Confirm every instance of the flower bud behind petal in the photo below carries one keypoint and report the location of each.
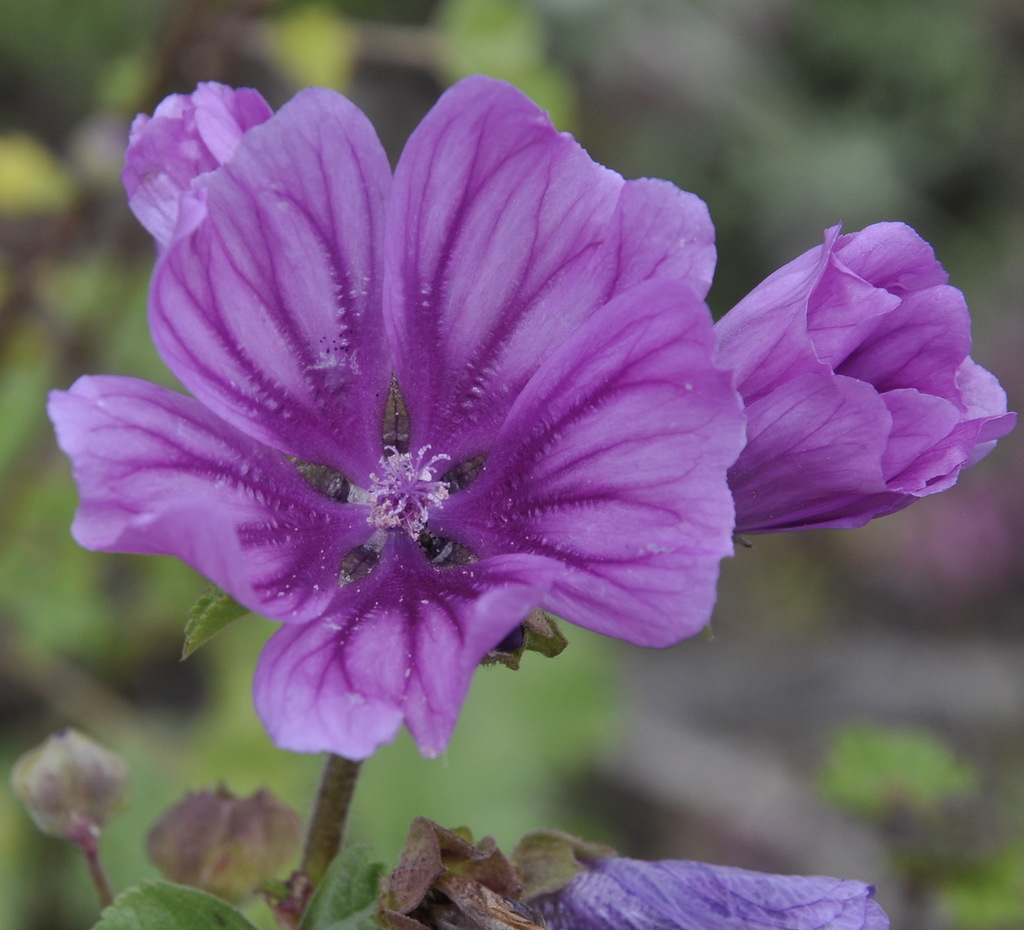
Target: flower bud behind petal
(223, 844)
(860, 395)
(71, 785)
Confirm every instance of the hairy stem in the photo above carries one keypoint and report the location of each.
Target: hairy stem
(327, 824)
(85, 835)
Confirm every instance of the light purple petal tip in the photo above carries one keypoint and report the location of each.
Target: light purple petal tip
(399, 646)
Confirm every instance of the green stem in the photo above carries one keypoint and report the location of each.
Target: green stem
(85, 835)
(327, 824)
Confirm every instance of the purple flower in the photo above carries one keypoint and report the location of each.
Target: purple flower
(423, 405)
(860, 395)
(627, 894)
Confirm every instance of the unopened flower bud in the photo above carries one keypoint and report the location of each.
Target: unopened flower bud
(222, 844)
(71, 785)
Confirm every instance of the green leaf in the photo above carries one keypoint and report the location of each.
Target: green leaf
(214, 610)
(163, 906)
(505, 39)
(313, 46)
(347, 897)
(549, 859)
(989, 896)
(874, 770)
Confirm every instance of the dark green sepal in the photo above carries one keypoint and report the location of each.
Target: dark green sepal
(549, 859)
(541, 634)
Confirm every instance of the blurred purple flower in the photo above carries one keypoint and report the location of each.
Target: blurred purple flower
(627, 894)
(424, 405)
(860, 395)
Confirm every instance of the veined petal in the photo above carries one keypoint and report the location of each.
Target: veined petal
(613, 462)
(919, 467)
(186, 137)
(920, 345)
(921, 424)
(843, 308)
(985, 400)
(269, 310)
(891, 256)
(502, 237)
(627, 894)
(158, 473)
(399, 645)
(813, 454)
(764, 339)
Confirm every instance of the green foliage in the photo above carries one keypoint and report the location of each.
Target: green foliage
(503, 38)
(214, 610)
(874, 771)
(990, 896)
(346, 899)
(59, 47)
(31, 179)
(163, 906)
(313, 46)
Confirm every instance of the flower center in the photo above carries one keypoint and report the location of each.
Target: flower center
(403, 493)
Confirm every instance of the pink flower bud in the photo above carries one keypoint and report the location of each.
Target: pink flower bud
(222, 844)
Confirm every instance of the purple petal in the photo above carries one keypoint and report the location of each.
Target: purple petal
(503, 236)
(399, 645)
(612, 461)
(891, 256)
(813, 456)
(936, 466)
(269, 311)
(920, 425)
(843, 308)
(186, 137)
(626, 894)
(920, 345)
(157, 473)
(764, 338)
(985, 400)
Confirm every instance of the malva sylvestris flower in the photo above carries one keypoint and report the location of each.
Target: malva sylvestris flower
(859, 390)
(628, 894)
(423, 404)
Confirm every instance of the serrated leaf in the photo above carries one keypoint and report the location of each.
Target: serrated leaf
(163, 906)
(346, 899)
(214, 610)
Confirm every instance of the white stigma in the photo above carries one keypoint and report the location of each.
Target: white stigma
(405, 491)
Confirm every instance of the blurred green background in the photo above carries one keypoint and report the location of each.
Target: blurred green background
(860, 707)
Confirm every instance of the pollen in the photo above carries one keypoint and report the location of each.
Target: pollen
(402, 495)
